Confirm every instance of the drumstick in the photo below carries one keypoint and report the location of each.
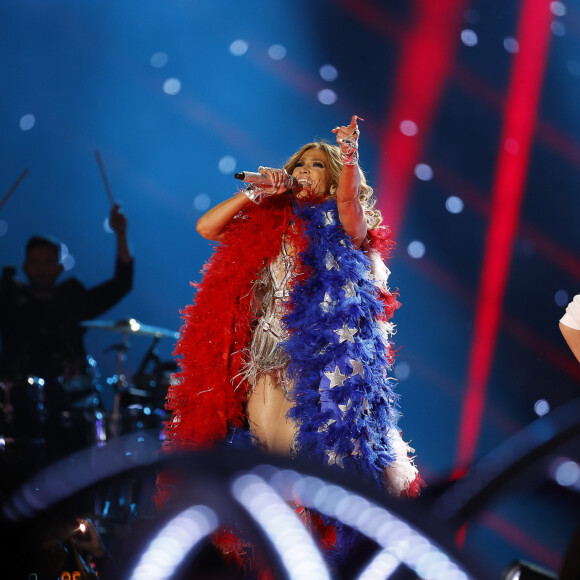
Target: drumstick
(104, 176)
(13, 188)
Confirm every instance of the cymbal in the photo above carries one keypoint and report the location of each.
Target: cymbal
(130, 326)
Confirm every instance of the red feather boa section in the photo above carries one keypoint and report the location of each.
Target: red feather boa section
(217, 326)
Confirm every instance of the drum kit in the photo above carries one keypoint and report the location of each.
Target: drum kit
(139, 403)
(73, 405)
(46, 419)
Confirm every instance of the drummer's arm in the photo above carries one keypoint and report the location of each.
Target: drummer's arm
(118, 223)
(101, 298)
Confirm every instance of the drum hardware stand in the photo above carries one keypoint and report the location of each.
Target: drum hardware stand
(150, 356)
(120, 383)
(119, 504)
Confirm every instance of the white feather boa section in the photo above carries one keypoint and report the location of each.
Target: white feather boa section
(400, 475)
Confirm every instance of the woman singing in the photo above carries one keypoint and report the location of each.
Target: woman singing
(287, 343)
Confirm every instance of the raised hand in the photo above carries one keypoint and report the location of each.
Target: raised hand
(118, 220)
(347, 139)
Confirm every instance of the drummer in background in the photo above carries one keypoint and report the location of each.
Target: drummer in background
(39, 321)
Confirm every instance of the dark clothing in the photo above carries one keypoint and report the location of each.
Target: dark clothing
(43, 337)
(51, 415)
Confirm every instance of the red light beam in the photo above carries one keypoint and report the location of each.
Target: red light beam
(424, 67)
(519, 125)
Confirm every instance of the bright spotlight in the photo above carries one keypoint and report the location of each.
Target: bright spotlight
(541, 407)
(423, 172)
(328, 72)
(172, 86)
(277, 52)
(408, 128)
(27, 122)
(327, 97)
(469, 37)
(227, 164)
(416, 249)
(558, 29)
(239, 47)
(454, 204)
(159, 60)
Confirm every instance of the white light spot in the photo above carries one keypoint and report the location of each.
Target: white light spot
(430, 561)
(3, 228)
(402, 371)
(511, 44)
(174, 542)
(469, 37)
(63, 251)
(567, 473)
(68, 262)
(158, 60)
(541, 407)
(328, 72)
(512, 146)
(562, 298)
(416, 249)
(172, 86)
(408, 127)
(27, 122)
(201, 202)
(239, 47)
(327, 97)
(227, 164)
(558, 8)
(471, 16)
(423, 172)
(454, 204)
(107, 226)
(558, 29)
(277, 52)
(574, 67)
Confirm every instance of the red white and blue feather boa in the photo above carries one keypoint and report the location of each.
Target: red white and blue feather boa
(344, 399)
(340, 359)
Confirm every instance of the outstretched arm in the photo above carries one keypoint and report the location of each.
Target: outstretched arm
(570, 326)
(572, 337)
(212, 224)
(350, 211)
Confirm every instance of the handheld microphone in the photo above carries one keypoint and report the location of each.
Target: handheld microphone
(262, 180)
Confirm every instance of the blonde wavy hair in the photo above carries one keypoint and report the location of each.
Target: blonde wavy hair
(366, 194)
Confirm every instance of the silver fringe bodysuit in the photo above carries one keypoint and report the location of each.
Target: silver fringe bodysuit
(271, 293)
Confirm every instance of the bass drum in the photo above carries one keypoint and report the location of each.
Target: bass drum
(22, 428)
(143, 403)
(80, 385)
(22, 412)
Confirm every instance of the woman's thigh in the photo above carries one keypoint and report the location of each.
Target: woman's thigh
(267, 408)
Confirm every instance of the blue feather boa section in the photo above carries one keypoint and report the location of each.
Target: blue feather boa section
(344, 400)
